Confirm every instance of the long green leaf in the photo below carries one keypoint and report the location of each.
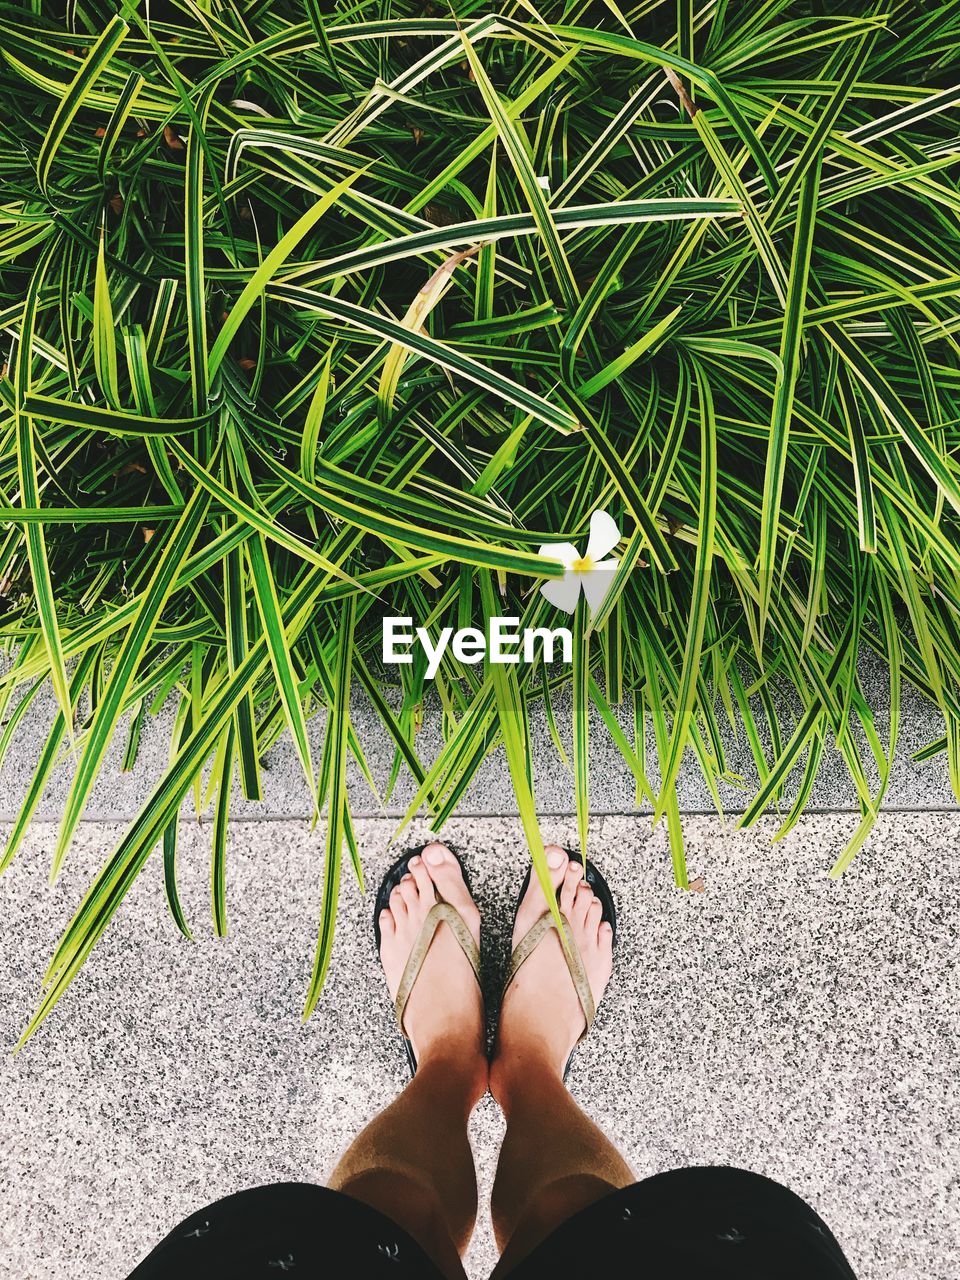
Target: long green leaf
(337, 803)
(790, 344)
(73, 99)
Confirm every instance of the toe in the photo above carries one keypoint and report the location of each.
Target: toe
(534, 901)
(409, 892)
(594, 916)
(421, 877)
(398, 906)
(446, 874)
(581, 903)
(558, 863)
(568, 889)
(387, 924)
(440, 864)
(443, 870)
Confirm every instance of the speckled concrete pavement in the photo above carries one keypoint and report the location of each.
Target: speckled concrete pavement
(779, 1021)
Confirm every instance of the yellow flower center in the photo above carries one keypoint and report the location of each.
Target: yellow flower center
(582, 564)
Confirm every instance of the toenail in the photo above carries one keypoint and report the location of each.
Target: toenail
(433, 855)
(555, 859)
(414, 862)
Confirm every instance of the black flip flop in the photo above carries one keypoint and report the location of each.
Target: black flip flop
(534, 935)
(440, 913)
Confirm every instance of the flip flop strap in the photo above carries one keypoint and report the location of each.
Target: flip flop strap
(440, 913)
(571, 953)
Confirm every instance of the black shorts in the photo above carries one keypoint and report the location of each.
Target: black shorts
(689, 1224)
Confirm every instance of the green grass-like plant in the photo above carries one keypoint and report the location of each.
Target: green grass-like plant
(315, 315)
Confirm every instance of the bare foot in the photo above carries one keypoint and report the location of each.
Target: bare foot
(541, 1018)
(444, 1014)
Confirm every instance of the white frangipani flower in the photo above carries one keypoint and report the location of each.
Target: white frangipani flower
(591, 571)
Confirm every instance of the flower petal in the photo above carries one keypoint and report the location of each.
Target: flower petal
(564, 592)
(604, 535)
(565, 552)
(598, 582)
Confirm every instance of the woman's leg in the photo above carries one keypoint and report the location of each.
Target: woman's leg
(413, 1161)
(554, 1160)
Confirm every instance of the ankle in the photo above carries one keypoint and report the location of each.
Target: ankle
(530, 1071)
(457, 1069)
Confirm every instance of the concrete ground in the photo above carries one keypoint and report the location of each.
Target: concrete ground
(780, 1021)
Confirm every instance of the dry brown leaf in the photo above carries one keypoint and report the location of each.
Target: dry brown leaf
(689, 105)
(172, 138)
(697, 885)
